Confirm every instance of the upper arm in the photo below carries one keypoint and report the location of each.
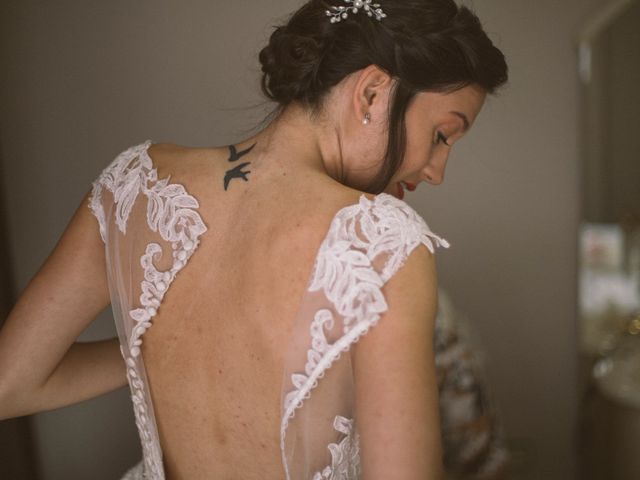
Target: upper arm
(396, 400)
(61, 299)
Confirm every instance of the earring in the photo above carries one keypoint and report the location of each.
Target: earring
(367, 117)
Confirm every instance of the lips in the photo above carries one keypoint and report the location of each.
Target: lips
(401, 185)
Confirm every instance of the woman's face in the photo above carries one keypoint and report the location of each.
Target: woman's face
(435, 122)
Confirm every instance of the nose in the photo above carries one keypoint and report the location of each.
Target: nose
(434, 179)
(433, 172)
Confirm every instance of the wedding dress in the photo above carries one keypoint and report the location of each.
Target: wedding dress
(365, 245)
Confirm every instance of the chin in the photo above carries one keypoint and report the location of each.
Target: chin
(395, 189)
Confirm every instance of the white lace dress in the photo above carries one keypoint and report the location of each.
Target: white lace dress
(365, 246)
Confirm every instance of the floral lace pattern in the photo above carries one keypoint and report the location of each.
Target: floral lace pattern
(123, 178)
(171, 212)
(344, 271)
(345, 456)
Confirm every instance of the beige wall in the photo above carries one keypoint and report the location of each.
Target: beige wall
(613, 144)
(624, 141)
(82, 80)
(16, 449)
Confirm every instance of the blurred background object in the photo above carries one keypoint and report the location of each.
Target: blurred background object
(472, 436)
(609, 240)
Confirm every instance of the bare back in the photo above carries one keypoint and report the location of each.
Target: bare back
(236, 287)
(215, 359)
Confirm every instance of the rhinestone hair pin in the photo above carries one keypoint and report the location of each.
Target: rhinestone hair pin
(368, 6)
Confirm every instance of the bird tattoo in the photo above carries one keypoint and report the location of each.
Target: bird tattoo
(235, 155)
(237, 171)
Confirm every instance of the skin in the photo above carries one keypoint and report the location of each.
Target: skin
(432, 130)
(340, 146)
(42, 367)
(429, 123)
(237, 171)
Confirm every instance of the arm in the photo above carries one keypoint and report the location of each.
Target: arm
(41, 368)
(396, 398)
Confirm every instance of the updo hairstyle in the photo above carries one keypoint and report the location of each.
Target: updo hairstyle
(426, 45)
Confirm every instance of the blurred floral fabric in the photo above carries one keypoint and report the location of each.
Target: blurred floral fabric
(472, 438)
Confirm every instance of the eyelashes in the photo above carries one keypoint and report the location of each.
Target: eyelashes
(442, 138)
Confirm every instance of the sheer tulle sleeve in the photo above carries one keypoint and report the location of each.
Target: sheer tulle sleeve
(366, 245)
(150, 228)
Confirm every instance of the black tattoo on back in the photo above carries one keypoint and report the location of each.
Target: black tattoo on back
(237, 171)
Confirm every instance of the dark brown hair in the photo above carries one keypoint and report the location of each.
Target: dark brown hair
(426, 45)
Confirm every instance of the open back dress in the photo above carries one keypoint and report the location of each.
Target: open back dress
(152, 227)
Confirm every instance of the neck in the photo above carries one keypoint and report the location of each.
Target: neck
(293, 142)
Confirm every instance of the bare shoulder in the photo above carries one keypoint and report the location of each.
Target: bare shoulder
(165, 152)
(184, 161)
(395, 379)
(412, 290)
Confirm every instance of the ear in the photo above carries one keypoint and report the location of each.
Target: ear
(371, 92)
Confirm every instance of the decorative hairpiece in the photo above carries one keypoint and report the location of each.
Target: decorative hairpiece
(342, 12)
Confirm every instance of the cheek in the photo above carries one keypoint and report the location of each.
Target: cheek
(419, 151)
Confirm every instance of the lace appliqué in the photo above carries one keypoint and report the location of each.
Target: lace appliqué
(345, 456)
(344, 271)
(122, 177)
(171, 212)
(151, 455)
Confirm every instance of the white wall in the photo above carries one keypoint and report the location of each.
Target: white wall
(82, 80)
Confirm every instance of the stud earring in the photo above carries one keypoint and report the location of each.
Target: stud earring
(367, 117)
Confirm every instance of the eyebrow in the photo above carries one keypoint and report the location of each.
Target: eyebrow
(464, 119)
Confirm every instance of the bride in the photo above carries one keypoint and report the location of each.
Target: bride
(275, 298)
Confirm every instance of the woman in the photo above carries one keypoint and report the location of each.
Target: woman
(297, 340)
